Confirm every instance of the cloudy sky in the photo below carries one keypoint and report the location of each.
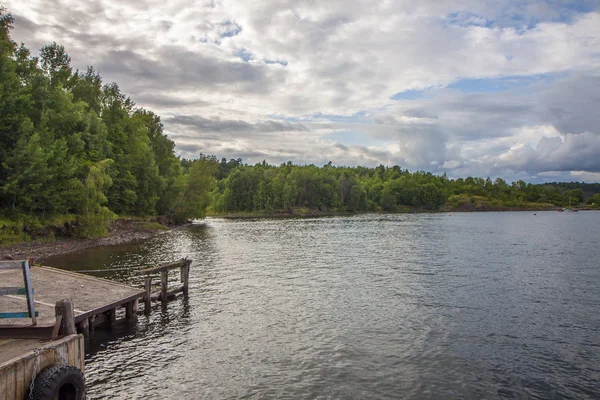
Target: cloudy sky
(507, 88)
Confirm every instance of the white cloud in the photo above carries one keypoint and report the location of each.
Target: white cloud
(249, 61)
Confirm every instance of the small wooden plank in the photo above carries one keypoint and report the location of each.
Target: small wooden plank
(11, 388)
(72, 353)
(164, 267)
(20, 378)
(27, 331)
(5, 291)
(7, 315)
(81, 357)
(13, 264)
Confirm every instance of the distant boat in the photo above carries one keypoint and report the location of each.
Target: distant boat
(569, 209)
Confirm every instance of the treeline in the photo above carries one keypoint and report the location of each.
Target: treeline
(268, 188)
(75, 152)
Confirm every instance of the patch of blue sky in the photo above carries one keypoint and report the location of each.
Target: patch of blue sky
(230, 29)
(466, 19)
(280, 62)
(579, 6)
(501, 84)
(357, 118)
(244, 54)
(525, 18)
(412, 94)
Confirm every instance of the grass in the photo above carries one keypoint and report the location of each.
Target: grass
(151, 226)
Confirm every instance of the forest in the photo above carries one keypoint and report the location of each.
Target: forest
(76, 153)
(267, 188)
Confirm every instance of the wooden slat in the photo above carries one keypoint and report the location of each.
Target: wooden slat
(11, 264)
(11, 384)
(28, 332)
(20, 380)
(81, 354)
(109, 306)
(5, 315)
(165, 267)
(5, 291)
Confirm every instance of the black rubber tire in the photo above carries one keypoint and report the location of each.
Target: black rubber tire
(67, 382)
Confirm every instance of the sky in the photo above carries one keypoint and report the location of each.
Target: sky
(492, 88)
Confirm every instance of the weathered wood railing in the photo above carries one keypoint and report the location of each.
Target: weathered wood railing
(164, 294)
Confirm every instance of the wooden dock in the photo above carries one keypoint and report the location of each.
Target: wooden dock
(95, 300)
(59, 304)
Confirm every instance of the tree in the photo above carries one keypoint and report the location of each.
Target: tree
(94, 217)
(195, 199)
(55, 63)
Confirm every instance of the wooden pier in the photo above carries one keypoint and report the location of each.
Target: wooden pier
(59, 304)
(95, 300)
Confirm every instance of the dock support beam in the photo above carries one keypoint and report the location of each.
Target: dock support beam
(111, 317)
(164, 282)
(64, 309)
(130, 310)
(185, 276)
(148, 299)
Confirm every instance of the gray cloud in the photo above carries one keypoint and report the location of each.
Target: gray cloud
(218, 125)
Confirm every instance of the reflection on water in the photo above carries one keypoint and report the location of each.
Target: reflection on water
(489, 305)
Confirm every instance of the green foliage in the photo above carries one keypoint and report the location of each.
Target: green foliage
(268, 189)
(194, 197)
(94, 217)
(71, 145)
(151, 226)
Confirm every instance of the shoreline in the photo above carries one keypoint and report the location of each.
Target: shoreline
(319, 214)
(120, 233)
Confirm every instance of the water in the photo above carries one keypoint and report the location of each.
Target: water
(473, 305)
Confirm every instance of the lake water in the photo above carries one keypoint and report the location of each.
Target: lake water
(411, 306)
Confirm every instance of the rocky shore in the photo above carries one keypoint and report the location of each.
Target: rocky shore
(120, 232)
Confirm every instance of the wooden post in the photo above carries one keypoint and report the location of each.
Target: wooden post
(112, 317)
(185, 276)
(84, 327)
(164, 281)
(129, 310)
(148, 299)
(92, 324)
(64, 308)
